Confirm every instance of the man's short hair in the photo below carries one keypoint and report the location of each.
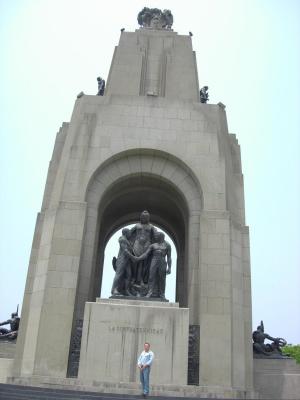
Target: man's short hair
(147, 343)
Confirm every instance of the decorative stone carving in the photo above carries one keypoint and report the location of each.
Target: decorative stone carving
(155, 18)
(193, 358)
(75, 346)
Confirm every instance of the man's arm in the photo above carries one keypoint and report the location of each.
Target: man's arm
(144, 255)
(131, 256)
(5, 322)
(269, 337)
(139, 364)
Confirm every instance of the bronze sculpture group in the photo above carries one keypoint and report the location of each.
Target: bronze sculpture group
(154, 18)
(143, 262)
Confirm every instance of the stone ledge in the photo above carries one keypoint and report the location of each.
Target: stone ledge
(133, 301)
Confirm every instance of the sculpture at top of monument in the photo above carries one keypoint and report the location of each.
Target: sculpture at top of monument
(101, 86)
(204, 94)
(12, 333)
(261, 349)
(155, 18)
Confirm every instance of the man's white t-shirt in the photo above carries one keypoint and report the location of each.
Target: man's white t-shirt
(146, 358)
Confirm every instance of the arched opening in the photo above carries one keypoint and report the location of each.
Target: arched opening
(122, 205)
(119, 190)
(111, 250)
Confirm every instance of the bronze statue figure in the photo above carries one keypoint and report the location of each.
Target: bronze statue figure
(142, 235)
(260, 348)
(158, 266)
(12, 333)
(122, 266)
(204, 94)
(101, 86)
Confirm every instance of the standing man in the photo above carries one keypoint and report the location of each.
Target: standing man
(144, 364)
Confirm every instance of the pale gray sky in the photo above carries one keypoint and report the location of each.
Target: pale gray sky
(247, 53)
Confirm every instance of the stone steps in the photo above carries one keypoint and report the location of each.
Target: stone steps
(16, 392)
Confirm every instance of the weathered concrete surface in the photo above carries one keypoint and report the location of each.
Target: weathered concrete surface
(277, 379)
(6, 365)
(7, 353)
(7, 349)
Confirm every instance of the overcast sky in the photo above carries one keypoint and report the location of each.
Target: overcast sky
(247, 53)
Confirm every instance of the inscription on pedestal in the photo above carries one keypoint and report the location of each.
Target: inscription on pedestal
(135, 329)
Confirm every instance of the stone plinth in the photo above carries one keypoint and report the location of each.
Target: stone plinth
(7, 349)
(114, 332)
(7, 352)
(277, 378)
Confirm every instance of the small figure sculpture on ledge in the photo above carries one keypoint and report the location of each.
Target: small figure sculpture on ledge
(155, 18)
(261, 350)
(12, 333)
(204, 94)
(101, 86)
(140, 266)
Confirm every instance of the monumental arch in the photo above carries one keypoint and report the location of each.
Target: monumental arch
(147, 143)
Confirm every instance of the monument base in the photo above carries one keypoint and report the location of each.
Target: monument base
(122, 388)
(277, 378)
(114, 333)
(7, 353)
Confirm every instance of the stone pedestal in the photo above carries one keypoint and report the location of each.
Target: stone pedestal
(277, 378)
(7, 352)
(114, 332)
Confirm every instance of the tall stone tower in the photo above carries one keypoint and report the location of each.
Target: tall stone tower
(147, 143)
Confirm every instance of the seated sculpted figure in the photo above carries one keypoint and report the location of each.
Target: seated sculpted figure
(158, 266)
(259, 347)
(12, 333)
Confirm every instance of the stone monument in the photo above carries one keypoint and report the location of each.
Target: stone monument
(146, 142)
